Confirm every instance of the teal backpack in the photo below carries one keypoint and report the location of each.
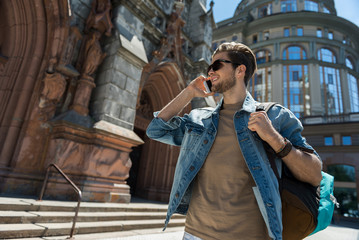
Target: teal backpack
(326, 203)
(301, 198)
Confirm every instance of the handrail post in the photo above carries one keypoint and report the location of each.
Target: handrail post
(79, 194)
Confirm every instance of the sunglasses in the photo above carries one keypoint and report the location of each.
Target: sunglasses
(216, 65)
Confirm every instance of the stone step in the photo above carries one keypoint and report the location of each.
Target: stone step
(14, 217)
(58, 229)
(24, 204)
(171, 233)
(28, 218)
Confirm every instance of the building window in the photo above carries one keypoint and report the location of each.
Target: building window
(319, 32)
(294, 53)
(346, 140)
(330, 35)
(346, 190)
(255, 38)
(265, 10)
(296, 89)
(331, 92)
(286, 32)
(300, 31)
(214, 46)
(353, 93)
(349, 63)
(266, 35)
(326, 55)
(288, 6)
(263, 56)
(311, 6)
(328, 141)
(325, 10)
(260, 85)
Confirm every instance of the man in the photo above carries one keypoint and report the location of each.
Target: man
(223, 180)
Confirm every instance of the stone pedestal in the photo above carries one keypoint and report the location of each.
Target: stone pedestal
(96, 160)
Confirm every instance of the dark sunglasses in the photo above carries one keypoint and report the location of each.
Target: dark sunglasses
(216, 65)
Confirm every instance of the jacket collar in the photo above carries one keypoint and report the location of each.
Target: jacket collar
(249, 104)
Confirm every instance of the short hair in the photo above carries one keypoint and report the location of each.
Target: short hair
(239, 53)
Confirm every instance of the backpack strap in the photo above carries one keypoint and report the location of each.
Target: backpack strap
(266, 106)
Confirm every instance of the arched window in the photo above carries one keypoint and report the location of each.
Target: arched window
(326, 55)
(294, 53)
(331, 92)
(288, 6)
(296, 92)
(349, 63)
(263, 56)
(353, 93)
(325, 10)
(311, 6)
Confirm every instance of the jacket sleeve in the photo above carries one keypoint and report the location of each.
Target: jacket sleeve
(289, 126)
(170, 132)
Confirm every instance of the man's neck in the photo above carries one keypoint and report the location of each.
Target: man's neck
(234, 96)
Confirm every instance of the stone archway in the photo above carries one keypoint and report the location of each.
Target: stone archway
(154, 163)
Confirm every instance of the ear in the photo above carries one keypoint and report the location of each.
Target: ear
(241, 69)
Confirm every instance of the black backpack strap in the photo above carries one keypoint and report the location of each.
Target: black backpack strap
(266, 106)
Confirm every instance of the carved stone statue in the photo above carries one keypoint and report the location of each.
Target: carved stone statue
(93, 55)
(100, 17)
(54, 88)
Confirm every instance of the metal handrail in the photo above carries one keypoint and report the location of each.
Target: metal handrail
(79, 194)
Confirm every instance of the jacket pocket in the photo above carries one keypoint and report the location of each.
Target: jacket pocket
(192, 136)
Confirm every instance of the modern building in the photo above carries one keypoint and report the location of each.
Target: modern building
(79, 80)
(308, 61)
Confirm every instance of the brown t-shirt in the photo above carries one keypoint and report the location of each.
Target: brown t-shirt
(223, 205)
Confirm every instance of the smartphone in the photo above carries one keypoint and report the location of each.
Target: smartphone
(208, 85)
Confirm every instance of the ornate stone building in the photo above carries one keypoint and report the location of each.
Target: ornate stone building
(79, 80)
(308, 60)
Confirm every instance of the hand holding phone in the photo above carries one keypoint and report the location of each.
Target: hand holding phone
(207, 85)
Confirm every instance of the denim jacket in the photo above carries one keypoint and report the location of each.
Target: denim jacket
(195, 133)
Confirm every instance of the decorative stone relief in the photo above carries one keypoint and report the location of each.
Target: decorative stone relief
(54, 88)
(171, 47)
(97, 24)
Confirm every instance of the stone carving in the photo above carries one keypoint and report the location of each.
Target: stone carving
(54, 88)
(97, 24)
(93, 54)
(171, 47)
(100, 17)
(65, 65)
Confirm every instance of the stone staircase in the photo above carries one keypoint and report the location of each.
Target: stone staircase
(29, 218)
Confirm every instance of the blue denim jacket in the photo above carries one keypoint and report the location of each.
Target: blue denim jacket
(195, 133)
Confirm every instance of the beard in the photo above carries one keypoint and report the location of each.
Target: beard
(225, 85)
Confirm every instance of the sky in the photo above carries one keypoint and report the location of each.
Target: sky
(348, 9)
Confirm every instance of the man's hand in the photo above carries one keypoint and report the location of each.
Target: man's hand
(197, 88)
(260, 123)
(304, 166)
(194, 89)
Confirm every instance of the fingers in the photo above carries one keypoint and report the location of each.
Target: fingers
(257, 116)
(198, 87)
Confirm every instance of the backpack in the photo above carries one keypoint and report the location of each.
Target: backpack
(305, 209)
